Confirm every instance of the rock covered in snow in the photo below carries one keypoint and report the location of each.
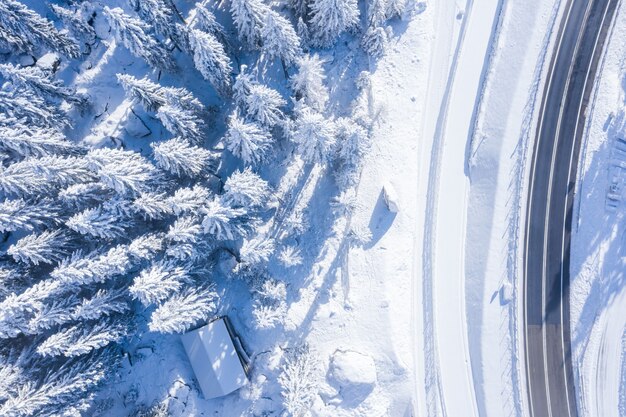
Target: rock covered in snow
(353, 373)
(49, 62)
(391, 198)
(26, 60)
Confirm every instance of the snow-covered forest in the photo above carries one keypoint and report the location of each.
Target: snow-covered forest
(153, 154)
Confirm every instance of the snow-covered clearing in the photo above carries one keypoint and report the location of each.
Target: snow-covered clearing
(598, 293)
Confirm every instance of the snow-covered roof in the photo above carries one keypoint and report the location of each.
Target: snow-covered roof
(214, 359)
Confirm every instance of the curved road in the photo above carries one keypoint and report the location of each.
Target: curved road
(579, 45)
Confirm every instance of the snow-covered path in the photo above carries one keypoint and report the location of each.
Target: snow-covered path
(451, 192)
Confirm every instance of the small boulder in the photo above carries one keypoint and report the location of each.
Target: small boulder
(391, 198)
(354, 374)
(49, 62)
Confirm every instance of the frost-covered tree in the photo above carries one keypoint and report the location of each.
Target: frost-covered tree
(94, 267)
(99, 222)
(395, 8)
(177, 156)
(183, 310)
(79, 196)
(152, 95)
(23, 29)
(248, 17)
(25, 141)
(20, 214)
(279, 38)
(135, 36)
(103, 303)
(160, 14)
(211, 60)
(27, 106)
(53, 313)
(181, 122)
(185, 229)
(76, 21)
(246, 189)
(207, 21)
(159, 281)
(308, 82)
(329, 18)
(268, 316)
(314, 136)
(247, 140)
(47, 247)
(126, 172)
(241, 86)
(256, 250)
(290, 256)
(376, 12)
(152, 206)
(263, 104)
(375, 41)
(299, 381)
(300, 8)
(145, 247)
(41, 83)
(81, 338)
(225, 222)
(189, 200)
(353, 144)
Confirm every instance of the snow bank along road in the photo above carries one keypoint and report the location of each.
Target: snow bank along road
(551, 194)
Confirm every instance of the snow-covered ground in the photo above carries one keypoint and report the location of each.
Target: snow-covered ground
(598, 290)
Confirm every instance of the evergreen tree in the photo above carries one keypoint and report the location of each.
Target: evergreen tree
(329, 18)
(279, 38)
(27, 106)
(211, 60)
(181, 122)
(98, 222)
(183, 310)
(247, 140)
(152, 95)
(314, 136)
(290, 256)
(79, 196)
(103, 303)
(241, 87)
(76, 22)
(300, 8)
(53, 313)
(24, 30)
(376, 13)
(246, 189)
(248, 17)
(185, 229)
(39, 82)
(308, 82)
(188, 200)
(81, 338)
(25, 141)
(353, 144)
(375, 41)
(135, 36)
(225, 222)
(179, 157)
(145, 247)
(395, 8)
(263, 104)
(160, 14)
(159, 281)
(126, 172)
(152, 206)
(47, 247)
(299, 381)
(207, 21)
(20, 214)
(255, 251)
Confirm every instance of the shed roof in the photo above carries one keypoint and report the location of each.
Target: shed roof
(214, 359)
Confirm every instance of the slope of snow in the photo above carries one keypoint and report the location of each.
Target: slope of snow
(598, 290)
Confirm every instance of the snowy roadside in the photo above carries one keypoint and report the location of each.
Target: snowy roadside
(598, 293)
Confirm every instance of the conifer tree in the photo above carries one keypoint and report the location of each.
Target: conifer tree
(27, 106)
(126, 172)
(183, 310)
(211, 60)
(160, 14)
(179, 157)
(103, 303)
(76, 22)
(246, 189)
(98, 222)
(329, 18)
(135, 36)
(314, 136)
(52, 313)
(247, 140)
(188, 200)
(25, 141)
(159, 281)
(23, 29)
(20, 214)
(308, 82)
(248, 17)
(43, 84)
(152, 206)
(375, 41)
(279, 38)
(208, 22)
(181, 122)
(82, 338)
(224, 222)
(185, 229)
(263, 104)
(47, 247)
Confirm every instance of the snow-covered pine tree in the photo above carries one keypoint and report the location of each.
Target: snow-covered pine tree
(69, 387)
(20, 214)
(268, 316)
(177, 156)
(126, 172)
(99, 222)
(152, 206)
(298, 380)
(263, 104)
(48, 247)
(279, 38)
(375, 41)
(395, 8)
(308, 82)
(79, 196)
(376, 12)
(256, 251)
(247, 140)
(329, 18)
(135, 36)
(145, 247)
(246, 189)
(211, 60)
(23, 29)
(52, 313)
(76, 21)
(160, 14)
(181, 122)
(185, 229)
(27, 106)
(103, 303)
(314, 136)
(248, 17)
(39, 82)
(189, 199)
(159, 281)
(207, 21)
(183, 310)
(152, 95)
(24, 141)
(290, 256)
(81, 338)
(300, 8)
(353, 144)
(225, 222)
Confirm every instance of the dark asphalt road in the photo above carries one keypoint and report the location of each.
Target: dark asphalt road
(554, 164)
